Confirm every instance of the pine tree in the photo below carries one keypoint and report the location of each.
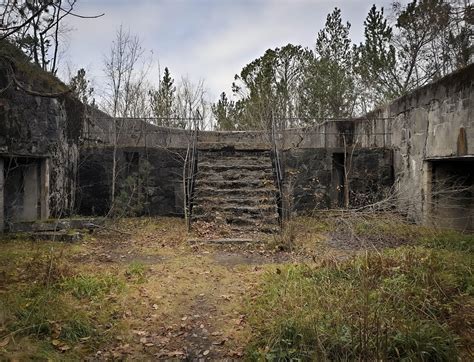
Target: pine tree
(81, 88)
(224, 112)
(163, 100)
(377, 61)
(328, 89)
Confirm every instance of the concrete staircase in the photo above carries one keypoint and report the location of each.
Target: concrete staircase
(235, 191)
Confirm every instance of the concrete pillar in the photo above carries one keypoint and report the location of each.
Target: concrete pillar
(2, 198)
(427, 184)
(44, 189)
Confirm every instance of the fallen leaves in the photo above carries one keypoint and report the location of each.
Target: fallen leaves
(59, 345)
(5, 342)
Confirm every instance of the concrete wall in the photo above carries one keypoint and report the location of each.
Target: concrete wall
(403, 140)
(151, 177)
(42, 127)
(313, 178)
(435, 122)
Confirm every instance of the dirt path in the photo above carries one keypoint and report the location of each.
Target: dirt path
(190, 303)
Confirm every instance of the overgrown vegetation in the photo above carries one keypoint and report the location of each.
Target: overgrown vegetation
(412, 303)
(132, 196)
(120, 295)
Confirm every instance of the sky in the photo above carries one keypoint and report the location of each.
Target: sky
(210, 40)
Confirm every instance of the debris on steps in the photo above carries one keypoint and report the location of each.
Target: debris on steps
(234, 195)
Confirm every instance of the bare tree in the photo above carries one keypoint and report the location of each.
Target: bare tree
(125, 86)
(191, 103)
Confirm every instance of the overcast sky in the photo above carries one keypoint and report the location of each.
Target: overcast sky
(203, 39)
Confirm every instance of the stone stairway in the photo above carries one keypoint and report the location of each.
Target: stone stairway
(235, 192)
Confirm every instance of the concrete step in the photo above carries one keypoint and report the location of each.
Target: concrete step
(220, 154)
(246, 192)
(231, 172)
(233, 176)
(243, 222)
(233, 163)
(266, 179)
(229, 209)
(236, 189)
(235, 184)
(237, 200)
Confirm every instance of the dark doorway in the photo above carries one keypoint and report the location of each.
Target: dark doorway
(337, 177)
(22, 189)
(452, 193)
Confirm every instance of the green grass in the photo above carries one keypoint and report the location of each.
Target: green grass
(401, 303)
(136, 272)
(45, 312)
(92, 286)
(450, 240)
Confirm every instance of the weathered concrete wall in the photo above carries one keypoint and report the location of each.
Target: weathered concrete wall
(434, 122)
(366, 132)
(155, 172)
(101, 129)
(68, 142)
(307, 156)
(314, 181)
(40, 128)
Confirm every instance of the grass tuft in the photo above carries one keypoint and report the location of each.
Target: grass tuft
(136, 272)
(92, 286)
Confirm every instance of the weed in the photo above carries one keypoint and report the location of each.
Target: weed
(286, 239)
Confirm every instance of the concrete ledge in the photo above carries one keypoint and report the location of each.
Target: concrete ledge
(54, 225)
(234, 146)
